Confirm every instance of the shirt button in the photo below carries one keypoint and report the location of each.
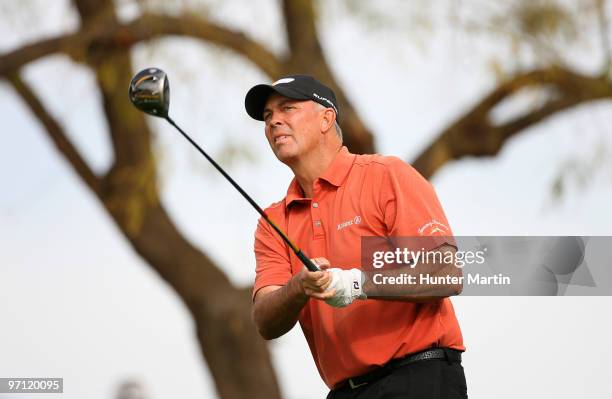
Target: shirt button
(317, 223)
(315, 204)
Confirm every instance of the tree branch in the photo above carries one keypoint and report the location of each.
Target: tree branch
(15, 59)
(149, 26)
(56, 133)
(604, 31)
(143, 28)
(300, 25)
(475, 134)
(307, 56)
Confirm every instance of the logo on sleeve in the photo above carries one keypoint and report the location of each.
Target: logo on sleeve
(433, 228)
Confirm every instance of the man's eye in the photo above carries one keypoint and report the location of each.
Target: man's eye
(288, 107)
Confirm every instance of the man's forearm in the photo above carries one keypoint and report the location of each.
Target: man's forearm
(277, 312)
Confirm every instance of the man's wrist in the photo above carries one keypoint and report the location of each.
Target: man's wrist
(296, 289)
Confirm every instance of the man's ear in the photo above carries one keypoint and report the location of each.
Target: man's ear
(329, 117)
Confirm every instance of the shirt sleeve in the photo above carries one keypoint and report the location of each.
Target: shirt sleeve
(273, 266)
(411, 207)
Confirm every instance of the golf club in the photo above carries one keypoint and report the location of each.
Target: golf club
(150, 92)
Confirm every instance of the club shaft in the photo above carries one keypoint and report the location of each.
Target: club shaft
(298, 252)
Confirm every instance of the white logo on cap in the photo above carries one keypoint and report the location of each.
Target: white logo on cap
(326, 100)
(283, 80)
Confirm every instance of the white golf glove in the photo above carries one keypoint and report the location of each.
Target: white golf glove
(348, 285)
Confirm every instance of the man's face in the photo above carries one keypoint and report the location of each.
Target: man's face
(292, 127)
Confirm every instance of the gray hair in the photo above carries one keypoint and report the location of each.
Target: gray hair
(338, 130)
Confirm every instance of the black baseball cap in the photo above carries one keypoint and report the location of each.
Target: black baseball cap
(297, 87)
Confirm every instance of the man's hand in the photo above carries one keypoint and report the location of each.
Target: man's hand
(316, 284)
(276, 308)
(347, 286)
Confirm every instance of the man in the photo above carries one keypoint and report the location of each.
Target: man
(368, 340)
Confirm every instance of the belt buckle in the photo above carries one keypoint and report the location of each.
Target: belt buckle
(354, 386)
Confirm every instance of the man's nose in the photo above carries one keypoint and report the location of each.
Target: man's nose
(272, 124)
(275, 119)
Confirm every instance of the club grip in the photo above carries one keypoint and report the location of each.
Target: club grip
(307, 262)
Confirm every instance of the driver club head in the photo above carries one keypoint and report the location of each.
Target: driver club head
(150, 92)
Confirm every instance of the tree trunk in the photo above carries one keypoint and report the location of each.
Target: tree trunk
(236, 355)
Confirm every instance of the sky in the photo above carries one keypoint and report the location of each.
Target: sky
(78, 303)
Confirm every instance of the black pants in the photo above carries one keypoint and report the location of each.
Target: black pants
(427, 379)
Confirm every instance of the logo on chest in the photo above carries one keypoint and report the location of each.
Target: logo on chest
(355, 220)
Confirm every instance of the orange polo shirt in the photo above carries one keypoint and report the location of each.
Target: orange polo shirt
(358, 195)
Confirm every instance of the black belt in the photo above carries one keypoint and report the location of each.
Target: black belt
(451, 355)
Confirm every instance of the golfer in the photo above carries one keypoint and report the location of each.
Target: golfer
(367, 340)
